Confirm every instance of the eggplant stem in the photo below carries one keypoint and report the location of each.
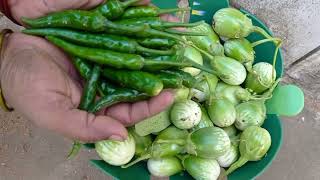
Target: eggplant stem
(275, 57)
(201, 50)
(141, 158)
(276, 40)
(75, 149)
(210, 90)
(203, 68)
(241, 161)
(262, 32)
(271, 89)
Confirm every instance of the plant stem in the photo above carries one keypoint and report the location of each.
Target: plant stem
(143, 157)
(166, 11)
(276, 40)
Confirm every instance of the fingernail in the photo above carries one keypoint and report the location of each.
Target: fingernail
(116, 138)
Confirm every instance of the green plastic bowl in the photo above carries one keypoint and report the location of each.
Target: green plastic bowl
(204, 10)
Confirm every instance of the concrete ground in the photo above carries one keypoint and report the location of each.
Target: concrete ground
(27, 152)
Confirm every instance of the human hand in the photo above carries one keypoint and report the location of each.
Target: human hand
(39, 81)
(35, 9)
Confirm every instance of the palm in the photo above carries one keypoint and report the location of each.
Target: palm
(40, 82)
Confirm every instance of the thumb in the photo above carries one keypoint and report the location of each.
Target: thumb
(81, 125)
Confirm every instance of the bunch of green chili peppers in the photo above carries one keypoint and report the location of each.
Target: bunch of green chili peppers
(127, 53)
(128, 44)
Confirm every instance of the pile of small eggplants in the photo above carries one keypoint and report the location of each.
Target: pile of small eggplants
(126, 53)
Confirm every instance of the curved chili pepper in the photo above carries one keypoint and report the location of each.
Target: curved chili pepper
(145, 31)
(138, 80)
(119, 60)
(87, 98)
(156, 22)
(148, 11)
(94, 22)
(114, 8)
(84, 69)
(79, 19)
(157, 42)
(107, 41)
(90, 89)
(187, 80)
(170, 80)
(155, 68)
(121, 95)
(100, 56)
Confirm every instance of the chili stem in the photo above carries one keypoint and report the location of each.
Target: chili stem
(131, 29)
(187, 33)
(154, 32)
(154, 51)
(188, 63)
(165, 11)
(166, 24)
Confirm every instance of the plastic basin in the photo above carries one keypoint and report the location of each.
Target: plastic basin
(204, 10)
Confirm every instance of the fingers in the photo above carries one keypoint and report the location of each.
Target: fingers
(86, 127)
(130, 114)
(91, 4)
(168, 17)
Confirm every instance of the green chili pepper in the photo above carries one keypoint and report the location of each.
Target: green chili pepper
(145, 31)
(100, 56)
(170, 80)
(148, 11)
(157, 42)
(118, 60)
(87, 98)
(81, 20)
(121, 95)
(112, 42)
(156, 22)
(155, 68)
(94, 22)
(138, 80)
(90, 89)
(85, 69)
(113, 9)
(187, 80)
(177, 61)
(107, 88)
(82, 67)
